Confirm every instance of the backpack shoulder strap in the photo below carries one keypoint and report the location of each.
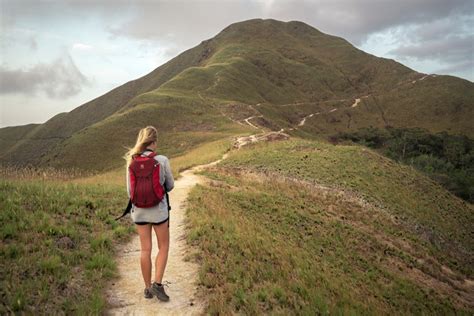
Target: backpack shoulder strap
(150, 155)
(126, 210)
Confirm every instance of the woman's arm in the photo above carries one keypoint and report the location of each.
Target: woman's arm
(127, 176)
(169, 180)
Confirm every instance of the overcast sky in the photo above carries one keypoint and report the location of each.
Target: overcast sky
(57, 55)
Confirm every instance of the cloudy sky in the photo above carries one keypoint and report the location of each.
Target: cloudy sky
(57, 55)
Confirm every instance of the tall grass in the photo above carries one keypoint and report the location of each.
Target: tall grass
(401, 190)
(58, 245)
(43, 173)
(311, 228)
(273, 246)
(204, 154)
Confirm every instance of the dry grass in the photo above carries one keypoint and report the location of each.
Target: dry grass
(57, 244)
(38, 173)
(293, 247)
(201, 155)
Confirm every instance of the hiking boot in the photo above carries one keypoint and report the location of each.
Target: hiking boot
(159, 291)
(148, 293)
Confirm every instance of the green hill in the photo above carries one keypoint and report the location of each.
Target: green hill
(41, 140)
(282, 71)
(312, 228)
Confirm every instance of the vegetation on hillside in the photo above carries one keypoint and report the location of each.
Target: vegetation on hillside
(308, 226)
(57, 244)
(180, 129)
(201, 155)
(448, 159)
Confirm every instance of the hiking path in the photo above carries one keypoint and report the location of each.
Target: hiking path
(125, 295)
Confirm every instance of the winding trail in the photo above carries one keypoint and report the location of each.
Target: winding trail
(304, 119)
(247, 120)
(125, 296)
(420, 79)
(355, 103)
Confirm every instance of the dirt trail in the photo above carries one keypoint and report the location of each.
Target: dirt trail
(125, 295)
(247, 120)
(420, 79)
(301, 123)
(356, 102)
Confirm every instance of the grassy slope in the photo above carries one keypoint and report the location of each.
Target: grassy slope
(43, 138)
(38, 275)
(381, 241)
(10, 136)
(200, 155)
(180, 128)
(440, 103)
(402, 190)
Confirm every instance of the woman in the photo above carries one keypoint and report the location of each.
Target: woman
(156, 216)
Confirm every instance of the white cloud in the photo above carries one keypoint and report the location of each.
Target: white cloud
(82, 47)
(58, 79)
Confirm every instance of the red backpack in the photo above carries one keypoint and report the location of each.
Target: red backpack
(145, 187)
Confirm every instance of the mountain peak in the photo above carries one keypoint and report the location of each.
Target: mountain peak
(279, 72)
(266, 26)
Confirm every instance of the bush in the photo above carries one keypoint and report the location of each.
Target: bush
(448, 159)
(431, 164)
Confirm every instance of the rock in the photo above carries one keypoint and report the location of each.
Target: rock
(65, 243)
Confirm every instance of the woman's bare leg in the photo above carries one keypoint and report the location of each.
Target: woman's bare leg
(144, 231)
(163, 236)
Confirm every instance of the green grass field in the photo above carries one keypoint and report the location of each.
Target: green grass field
(308, 227)
(58, 245)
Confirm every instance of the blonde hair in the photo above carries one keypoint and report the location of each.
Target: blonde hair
(145, 138)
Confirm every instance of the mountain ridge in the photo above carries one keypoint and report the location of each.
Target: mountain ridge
(261, 65)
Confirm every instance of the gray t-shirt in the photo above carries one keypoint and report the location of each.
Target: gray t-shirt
(158, 213)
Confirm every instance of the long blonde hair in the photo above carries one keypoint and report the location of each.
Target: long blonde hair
(145, 138)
